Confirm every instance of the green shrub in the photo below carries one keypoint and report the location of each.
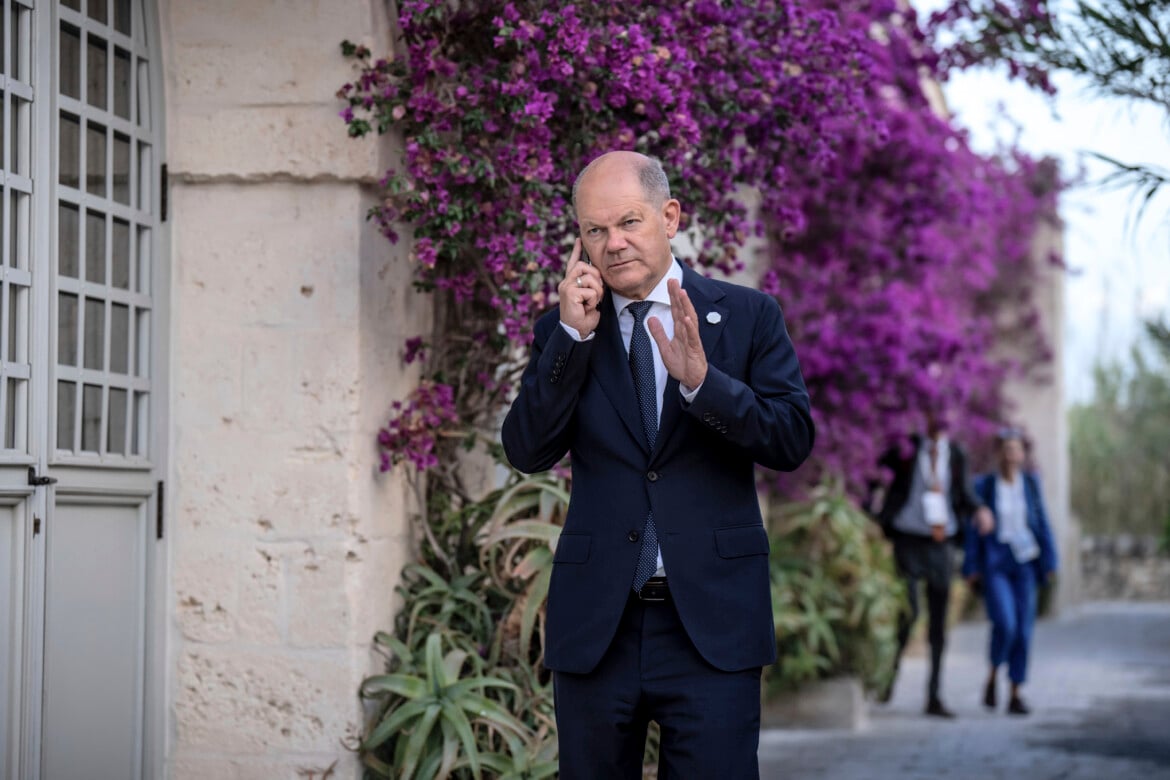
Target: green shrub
(464, 691)
(432, 709)
(835, 594)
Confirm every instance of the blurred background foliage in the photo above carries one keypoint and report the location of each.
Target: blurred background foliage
(835, 595)
(1124, 431)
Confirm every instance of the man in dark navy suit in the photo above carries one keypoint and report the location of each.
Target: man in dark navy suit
(666, 388)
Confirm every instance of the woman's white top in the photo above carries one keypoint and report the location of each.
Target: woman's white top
(1011, 511)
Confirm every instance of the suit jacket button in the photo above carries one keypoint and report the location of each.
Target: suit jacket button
(652, 476)
(633, 536)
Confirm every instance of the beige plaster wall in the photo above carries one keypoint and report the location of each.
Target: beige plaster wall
(288, 312)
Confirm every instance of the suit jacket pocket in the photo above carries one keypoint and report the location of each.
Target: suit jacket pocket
(741, 540)
(572, 548)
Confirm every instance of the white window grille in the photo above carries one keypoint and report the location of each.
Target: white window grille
(105, 218)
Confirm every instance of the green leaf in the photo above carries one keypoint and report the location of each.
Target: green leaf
(404, 685)
(514, 505)
(537, 530)
(395, 645)
(454, 715)
(452, 664)
(418, 738)
(458, 690)
(430, 765)
(538, 559)
(489, 712)
(427, 573)
(553, 501)
(536, 597)
(450, 754)
(498, 763)
(436, 677)
(378, 766)
(394, 722)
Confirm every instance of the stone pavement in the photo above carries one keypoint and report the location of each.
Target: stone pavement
(1099, 691)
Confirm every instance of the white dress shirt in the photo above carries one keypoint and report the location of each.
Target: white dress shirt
(941, 469)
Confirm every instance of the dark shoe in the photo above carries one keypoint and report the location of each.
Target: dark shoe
(989, 695)
(936, 709)
(1017, 707)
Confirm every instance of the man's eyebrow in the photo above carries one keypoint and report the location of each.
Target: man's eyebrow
(631, 214)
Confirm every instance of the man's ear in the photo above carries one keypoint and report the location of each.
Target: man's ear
(671, 212)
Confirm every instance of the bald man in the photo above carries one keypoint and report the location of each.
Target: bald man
(666, 388)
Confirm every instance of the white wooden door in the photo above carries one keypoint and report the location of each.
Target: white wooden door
(80, 337)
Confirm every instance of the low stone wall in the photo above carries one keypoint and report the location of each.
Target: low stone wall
(1124, 567)
(838, 703)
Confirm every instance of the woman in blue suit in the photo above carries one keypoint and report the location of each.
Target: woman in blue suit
(1011, 561)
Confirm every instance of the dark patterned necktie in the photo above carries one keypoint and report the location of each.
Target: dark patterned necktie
(642, 367)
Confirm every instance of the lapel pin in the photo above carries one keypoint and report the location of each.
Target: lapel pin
(714, 317)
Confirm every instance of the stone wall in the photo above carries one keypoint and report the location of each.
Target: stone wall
(1131, 568)
(287, 315)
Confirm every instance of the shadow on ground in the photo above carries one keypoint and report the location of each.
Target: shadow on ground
(1129, 728)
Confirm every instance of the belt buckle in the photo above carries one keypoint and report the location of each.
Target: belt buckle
(655, 590)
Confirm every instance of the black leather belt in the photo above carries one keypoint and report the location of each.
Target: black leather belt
(655, 589)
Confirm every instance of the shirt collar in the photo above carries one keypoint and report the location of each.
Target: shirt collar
(660, 293)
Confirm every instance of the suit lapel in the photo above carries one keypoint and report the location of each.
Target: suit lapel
(705, 296)
(611, 368)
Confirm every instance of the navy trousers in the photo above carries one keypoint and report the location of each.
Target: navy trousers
(1011, 605)
(709, 719)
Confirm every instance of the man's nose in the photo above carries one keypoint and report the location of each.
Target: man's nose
(615, 242)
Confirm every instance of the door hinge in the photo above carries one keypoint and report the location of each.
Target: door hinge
(163, 192)
(36, 525)
(158, 512)
(36, 481)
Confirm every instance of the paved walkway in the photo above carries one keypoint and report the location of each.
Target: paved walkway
(1099, 690)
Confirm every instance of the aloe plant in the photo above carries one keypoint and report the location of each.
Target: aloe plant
(524, 761)
(486, 613)
(517, 545)
(432, 715)
(458, 604)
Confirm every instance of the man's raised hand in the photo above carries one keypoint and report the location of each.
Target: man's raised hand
(580, 292)
(683, 355)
